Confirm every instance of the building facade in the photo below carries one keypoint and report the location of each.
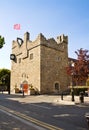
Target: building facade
(40, 63)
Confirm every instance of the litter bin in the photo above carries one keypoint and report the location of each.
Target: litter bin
(81, 97)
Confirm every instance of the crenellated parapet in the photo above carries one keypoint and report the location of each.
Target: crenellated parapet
(62, 38)
(21, 45)
(14, 44)
(57, 44)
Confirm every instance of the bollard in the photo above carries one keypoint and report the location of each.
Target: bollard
(62, 96)
(81, 97)
(2, 91)
(23, 93)
(72, 94)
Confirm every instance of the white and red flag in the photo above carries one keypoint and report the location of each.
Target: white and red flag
(17, 26)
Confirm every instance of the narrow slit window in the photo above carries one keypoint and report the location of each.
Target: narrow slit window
(31, 56)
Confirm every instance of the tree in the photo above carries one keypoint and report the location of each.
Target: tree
(5, 78)
(80, 70)
(2, 41)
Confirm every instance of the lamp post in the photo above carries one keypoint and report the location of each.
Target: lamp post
(72, 90)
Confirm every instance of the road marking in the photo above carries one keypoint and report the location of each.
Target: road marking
(34, 121)
(23, 120)
(40, 106)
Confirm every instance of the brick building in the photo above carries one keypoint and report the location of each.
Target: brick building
(40, 63)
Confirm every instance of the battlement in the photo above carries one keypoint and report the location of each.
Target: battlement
(26, 37)
(40, 40)
(52, 43)
(62, 38)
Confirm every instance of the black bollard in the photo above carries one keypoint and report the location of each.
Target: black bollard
(23, 93)
(2, 91)
(72, 94)
(62, 96)
(81, 97)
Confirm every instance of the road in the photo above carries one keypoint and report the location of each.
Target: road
(40, 113)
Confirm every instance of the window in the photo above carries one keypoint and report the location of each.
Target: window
(58, 59)
(56, 86)
(31, 56)
(19, 60)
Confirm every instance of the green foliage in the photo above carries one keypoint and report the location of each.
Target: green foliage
(3, 72)
(5, 77)
(2, 41)
(78, 90)
(31, 87)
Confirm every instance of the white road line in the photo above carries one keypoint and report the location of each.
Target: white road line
(40, 106)
(24, 121)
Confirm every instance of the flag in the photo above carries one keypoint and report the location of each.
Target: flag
(17, 26)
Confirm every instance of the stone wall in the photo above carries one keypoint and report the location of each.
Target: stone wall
(54, 59)
(41, 63)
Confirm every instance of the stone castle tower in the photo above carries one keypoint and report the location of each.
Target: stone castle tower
(41, 63)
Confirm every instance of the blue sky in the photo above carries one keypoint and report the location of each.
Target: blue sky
(50, 17)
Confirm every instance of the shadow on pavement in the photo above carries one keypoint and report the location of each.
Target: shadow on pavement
(66, 117)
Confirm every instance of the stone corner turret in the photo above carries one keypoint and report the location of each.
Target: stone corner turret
(62, 38)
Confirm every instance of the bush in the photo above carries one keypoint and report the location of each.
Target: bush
(16, 90)
(78, 90)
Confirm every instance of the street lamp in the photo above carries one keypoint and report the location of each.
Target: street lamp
(72, 90)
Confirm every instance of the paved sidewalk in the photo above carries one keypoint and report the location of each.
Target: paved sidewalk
(67, 100)
(56, 99)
